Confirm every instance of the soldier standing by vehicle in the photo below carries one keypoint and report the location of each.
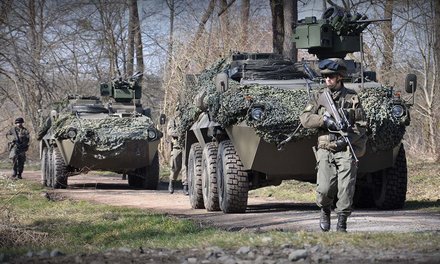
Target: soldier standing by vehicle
(339, 143)
(176, 157)
(18, 144)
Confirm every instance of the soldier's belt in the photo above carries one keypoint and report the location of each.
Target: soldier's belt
(327, 141)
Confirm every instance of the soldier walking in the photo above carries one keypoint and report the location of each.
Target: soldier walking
(336, 159)
(18, 144)
(176, 163)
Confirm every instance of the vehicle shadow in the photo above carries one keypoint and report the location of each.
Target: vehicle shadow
(416, 205)
(271, 207)
(121, 185)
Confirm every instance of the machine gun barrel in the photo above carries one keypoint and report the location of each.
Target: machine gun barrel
(369, 21)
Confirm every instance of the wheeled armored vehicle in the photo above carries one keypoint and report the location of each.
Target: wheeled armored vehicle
(241, 128)
(85, 134)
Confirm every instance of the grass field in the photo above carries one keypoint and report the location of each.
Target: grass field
(31, 221)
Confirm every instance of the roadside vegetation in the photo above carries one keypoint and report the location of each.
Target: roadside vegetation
(32, 219)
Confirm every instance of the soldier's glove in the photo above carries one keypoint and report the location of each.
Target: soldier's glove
(338, 145)
(330, 122)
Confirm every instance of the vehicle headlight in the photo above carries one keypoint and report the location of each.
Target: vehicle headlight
(257, 113)
(397, 111)
(71, 133)
(152, 134)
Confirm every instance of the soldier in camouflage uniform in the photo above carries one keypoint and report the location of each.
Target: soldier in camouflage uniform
(176, 158)
(337, 168)
(18, 144)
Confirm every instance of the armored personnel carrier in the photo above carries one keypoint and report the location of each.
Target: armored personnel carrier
(84, 134)
(241, 131)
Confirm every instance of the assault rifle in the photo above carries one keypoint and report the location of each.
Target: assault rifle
(342, 122)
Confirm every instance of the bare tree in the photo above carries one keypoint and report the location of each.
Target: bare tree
(131, 33)
(245, 8)
(388, 42)
(138, 39)
(290, 14)
(284, 16)
(276, 7)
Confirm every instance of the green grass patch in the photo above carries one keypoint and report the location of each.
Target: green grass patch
(288, 190)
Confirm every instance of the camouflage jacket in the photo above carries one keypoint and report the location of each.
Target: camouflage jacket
(347, 99)
(18, 137)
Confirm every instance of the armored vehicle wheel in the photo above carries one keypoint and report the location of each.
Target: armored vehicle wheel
(147, 177)
(385, 189)
(390, 185)
(209, 177)
(232, 178)
(59, 175)
(45, 173)
(195, 176)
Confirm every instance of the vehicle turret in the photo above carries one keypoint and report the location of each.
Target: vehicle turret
(337, 33)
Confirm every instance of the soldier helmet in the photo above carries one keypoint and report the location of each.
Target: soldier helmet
(19, 120)
(333, 66)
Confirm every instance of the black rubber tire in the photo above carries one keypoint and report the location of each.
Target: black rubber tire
(233, 181)
(147, 177)
(50, 180)
(59, 179)
(209, 177)
(45, 173)
(195, 176)
(363, 197)
(390, 185)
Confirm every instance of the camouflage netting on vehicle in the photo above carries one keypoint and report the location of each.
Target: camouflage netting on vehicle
(104, 134)
(188, 112)
(384, 130)
(281, 110)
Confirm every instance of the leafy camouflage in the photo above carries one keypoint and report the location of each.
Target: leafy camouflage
(104, 134)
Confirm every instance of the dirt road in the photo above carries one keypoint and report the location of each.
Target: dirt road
(263, 214)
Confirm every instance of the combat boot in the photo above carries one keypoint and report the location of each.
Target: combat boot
(171, 187)
(19, 176)
(324, 221)
(185, 189)
(342, 223)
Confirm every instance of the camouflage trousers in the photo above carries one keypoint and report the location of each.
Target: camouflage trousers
(336, 179)
(177, 167)
(18, 164)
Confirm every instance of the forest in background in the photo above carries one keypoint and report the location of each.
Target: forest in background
(54, 48)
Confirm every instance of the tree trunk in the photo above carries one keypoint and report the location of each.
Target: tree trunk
(224, 25)
(245, 11)
(205, 18)
(131, 33)
(169, 64)
(290, 14)
(138, 41)
(436, 121)
(276, 7)
(388, 44)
